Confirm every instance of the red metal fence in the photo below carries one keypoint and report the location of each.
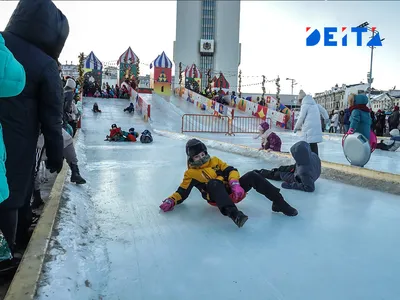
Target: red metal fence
(220, 124)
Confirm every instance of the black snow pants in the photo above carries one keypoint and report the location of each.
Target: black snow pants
(218, 193)
(283, 173)
(314, 147)
(8, 225)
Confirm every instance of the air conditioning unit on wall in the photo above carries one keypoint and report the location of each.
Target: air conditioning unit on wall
(207, 47)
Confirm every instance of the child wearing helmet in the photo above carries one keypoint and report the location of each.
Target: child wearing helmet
(222, 186)
(269, 139)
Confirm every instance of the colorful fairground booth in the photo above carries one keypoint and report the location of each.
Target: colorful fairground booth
(221, 85)
(192, 76)
(128, 66)
(93, 70)
(161, 75)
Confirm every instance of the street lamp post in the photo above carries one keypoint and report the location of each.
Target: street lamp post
(370, 79)
(293, 82)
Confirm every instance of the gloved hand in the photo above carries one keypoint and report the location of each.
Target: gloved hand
(167, 205)
(54, 166)
(237, 190)
(286, 185)
(294, 131)
(351, 131)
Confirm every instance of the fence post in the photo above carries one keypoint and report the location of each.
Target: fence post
(293, 120)
(183, 116)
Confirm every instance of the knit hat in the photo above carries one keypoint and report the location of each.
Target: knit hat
(70, 83)
(264, 126)
(302, 94)
(394, 132)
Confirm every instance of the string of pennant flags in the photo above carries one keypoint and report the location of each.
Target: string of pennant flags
(113, 63)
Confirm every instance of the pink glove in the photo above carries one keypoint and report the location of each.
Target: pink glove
(167, 205)
(351, 131)
(237, 191)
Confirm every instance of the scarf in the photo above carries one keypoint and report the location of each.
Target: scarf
(362, 107)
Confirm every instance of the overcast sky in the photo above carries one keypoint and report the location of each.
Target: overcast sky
(272, 35)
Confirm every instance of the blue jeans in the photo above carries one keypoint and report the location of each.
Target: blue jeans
(346, 127)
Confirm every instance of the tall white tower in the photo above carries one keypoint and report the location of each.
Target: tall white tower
(207, 34)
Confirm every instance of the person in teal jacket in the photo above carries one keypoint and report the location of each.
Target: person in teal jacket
(12, 82)
(360, 118)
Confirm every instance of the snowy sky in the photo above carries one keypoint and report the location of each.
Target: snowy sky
(272, 35)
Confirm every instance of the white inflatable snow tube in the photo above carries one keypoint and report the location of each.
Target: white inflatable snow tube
(356, 149)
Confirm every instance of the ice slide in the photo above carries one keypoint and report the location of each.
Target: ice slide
(114, 243)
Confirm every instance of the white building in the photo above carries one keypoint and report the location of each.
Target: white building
(336, 97)
(207, 34)
(70, 70)
(385, 101)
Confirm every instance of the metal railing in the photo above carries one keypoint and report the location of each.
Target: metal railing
(205, 123)
(220, 124)
(247, 124)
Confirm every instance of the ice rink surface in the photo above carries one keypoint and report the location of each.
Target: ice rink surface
(113, 242)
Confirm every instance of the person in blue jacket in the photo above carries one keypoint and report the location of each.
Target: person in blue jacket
(12, 83)
(301, 176)
(346, 120)
(360, 118)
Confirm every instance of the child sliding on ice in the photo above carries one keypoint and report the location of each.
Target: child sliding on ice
(222, 186)
(269, 140)
(300, 176)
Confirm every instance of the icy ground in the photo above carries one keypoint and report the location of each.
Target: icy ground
(112, 241)
(330, 150)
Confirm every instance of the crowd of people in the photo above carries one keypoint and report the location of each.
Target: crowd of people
(38, 114)
(91, 89)
(381, 123)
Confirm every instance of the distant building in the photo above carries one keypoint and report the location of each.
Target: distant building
(70, 70)
(336, 97)
(207, 34)
(144, 81)
(385, 101)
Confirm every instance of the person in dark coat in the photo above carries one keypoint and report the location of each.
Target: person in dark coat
(346, 120)
(303, 174)
(394, 119)
(35, 34)
(380, 122)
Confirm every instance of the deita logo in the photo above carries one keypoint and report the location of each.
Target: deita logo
(315, 36)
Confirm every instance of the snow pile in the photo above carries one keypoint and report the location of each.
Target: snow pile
(271, 157)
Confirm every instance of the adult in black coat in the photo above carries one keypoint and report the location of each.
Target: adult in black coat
(35, 34)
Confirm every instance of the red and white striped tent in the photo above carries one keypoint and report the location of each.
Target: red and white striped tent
(221, 83)
(193, 72)
(128, 57)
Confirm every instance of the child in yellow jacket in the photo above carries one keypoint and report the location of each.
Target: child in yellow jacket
(222, 186)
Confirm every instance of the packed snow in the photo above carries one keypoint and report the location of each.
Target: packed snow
(112, 242)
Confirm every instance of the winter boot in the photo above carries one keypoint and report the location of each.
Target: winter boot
(76, 176)
(237, 216)
(280, 205)
(37, 200)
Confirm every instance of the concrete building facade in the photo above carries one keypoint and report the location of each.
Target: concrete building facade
(207, 34)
